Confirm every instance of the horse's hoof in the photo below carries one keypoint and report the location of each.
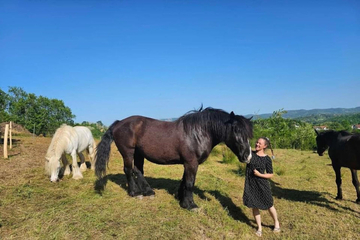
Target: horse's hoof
(83, 167)
(149, 193)
(188, 206)
(77, 177)
(196, 209)
(139, 197)
(152, 197)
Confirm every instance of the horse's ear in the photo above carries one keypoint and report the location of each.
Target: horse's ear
(251, 118)
(317, 133)
(231, 119)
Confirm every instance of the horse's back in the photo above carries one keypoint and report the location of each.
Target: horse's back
(158, 141)
(85, 138)
(354, 150)
(347, 151)
(139, 127)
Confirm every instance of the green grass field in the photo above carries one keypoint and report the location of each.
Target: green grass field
(31, 207)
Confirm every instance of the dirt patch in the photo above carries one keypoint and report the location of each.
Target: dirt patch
(27, 153)
(16, 129)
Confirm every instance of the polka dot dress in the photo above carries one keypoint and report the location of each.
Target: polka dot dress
(257, 191)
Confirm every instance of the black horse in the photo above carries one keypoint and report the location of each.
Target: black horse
(344, 151)
(188, 141)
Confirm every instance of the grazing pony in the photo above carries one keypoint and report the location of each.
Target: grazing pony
(69, 140)
(187, 141)
(344, 151)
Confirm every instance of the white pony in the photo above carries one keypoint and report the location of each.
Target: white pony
(69, 140)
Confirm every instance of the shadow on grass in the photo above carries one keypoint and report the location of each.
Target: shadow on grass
(312, 197)
(171, 186)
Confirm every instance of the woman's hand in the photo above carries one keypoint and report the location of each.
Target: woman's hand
(257, 173)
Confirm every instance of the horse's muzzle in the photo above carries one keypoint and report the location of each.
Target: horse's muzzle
(247, 160)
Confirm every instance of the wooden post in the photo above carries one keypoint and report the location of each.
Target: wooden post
(10, 134)
(6, 140)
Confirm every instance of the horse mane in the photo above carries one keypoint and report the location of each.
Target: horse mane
(342, 133)
(201, 119)
(58, 141)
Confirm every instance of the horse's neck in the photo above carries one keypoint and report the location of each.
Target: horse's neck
(333, 138)
(214, 134)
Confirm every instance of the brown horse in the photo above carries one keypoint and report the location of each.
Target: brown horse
(344, 151)
(188, 141)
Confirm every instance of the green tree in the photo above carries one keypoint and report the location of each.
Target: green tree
(39, 114)
(4, 102)
(285, 133)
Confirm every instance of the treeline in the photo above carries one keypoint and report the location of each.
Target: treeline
(285, 133)
(38, 114)
(334, 122)
(299, 133)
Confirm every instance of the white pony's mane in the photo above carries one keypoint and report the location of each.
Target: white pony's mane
(59, 141)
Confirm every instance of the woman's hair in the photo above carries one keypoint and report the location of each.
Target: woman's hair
(268, 143)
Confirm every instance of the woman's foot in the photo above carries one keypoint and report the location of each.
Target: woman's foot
(276, 230)
(258, 233)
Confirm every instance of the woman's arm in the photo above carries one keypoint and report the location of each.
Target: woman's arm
(263, 175)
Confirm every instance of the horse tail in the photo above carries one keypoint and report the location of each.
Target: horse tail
(103, 152)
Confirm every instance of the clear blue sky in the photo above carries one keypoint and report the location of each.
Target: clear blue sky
(111, 59)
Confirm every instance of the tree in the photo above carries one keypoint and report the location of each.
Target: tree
(285, 133)
(4, 102)
(40, 113)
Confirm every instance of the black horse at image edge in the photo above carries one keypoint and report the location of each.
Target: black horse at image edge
(187, 141)
(344, 151)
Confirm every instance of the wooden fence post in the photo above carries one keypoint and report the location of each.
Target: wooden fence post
(10, 134)
(6, 140)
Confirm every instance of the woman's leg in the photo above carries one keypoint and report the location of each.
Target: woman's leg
(274, 216)
(257, 217)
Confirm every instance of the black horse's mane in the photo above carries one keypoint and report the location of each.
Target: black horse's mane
(213, 119)
(341, 132)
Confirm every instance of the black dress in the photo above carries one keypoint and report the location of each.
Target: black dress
(257, 191)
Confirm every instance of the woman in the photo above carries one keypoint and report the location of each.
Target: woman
(257, 192)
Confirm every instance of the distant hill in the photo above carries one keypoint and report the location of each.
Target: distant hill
(313, 112)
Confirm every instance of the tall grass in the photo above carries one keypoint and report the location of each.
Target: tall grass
(228, 156)
(31, 207)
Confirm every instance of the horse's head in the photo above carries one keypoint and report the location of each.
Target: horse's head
(239, 133)
(321, 143)
(52, 168)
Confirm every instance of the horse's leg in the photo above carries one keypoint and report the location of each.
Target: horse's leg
(355, 182)
(186, 188)
(338, 181)
(128, 156)
(139, 177)
(139, 161)
(82, 161)
(75, 168)
(65, 164)
(91, 151)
